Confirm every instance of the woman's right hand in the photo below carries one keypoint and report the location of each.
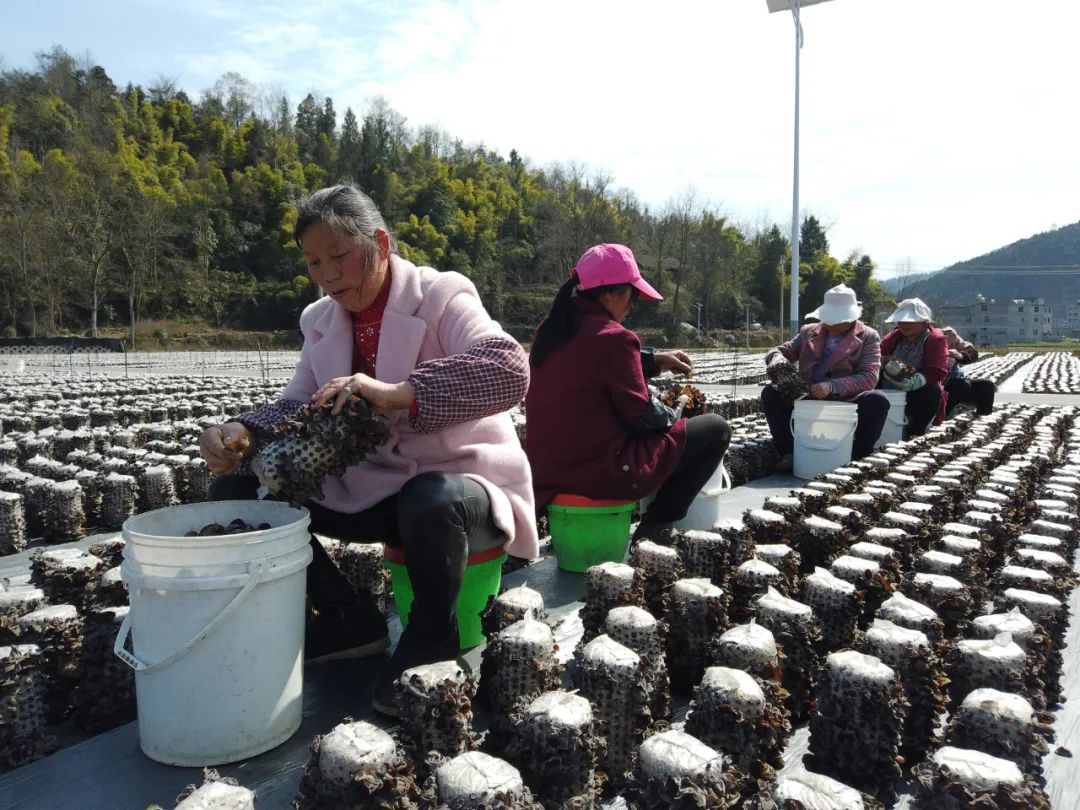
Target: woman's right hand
(224, 446)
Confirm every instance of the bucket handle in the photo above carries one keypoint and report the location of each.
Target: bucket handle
(725, 482)
(831, 444)
(256, 572)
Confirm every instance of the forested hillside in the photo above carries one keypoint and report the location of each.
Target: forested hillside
(1046, 265)
(126, 203)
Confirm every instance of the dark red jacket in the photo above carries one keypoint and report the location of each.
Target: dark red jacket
(582, 411)
(935, 361)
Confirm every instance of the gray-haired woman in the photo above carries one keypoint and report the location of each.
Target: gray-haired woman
(451, 480)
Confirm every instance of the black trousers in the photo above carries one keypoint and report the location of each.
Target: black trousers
(438, 519)
(872, 409)
(978, 392)
(707, 439)
(922, 407)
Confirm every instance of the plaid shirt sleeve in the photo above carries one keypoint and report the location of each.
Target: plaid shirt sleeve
(490, 377)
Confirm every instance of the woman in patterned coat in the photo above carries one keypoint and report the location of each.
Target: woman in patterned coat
(838, 359)
(917, 341)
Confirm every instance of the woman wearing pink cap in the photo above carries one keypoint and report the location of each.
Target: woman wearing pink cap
(593, 428)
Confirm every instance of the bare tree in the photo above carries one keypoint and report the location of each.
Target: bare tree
(683, 210)
(22, 220)
(237, 94)
(146, 236)
(82, 202)
(904, 273)
(269, 102)
(163, 88)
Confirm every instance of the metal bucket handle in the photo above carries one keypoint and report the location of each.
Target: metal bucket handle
(256, 573)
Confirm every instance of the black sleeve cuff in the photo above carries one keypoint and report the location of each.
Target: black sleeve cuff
(654, 418)
(649, 366)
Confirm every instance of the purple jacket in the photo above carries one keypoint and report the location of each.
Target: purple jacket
(853, 366)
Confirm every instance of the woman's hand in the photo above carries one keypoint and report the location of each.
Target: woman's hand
(224, 446)
(912, 383)
(820, 390)
(383, 396)
(676, 362)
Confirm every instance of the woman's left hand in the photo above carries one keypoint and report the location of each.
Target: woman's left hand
(383, 396)
(820, 390)
(675, 361)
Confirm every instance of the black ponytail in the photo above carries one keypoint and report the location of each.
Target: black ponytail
(558, 326)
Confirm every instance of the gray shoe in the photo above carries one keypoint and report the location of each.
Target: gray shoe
(785, 464)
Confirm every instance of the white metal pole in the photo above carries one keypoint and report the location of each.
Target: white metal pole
(794, 314)
(780, 323)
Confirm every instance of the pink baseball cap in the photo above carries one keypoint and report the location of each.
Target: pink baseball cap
(601, 265)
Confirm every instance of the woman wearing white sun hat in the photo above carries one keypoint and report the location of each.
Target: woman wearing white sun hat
(916, 340)
(839, 359)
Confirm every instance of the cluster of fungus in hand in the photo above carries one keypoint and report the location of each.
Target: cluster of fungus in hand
(313, 444)
(787, 381)
(897, 367)
(696, 401)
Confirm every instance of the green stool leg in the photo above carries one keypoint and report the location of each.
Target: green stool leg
(481, 582)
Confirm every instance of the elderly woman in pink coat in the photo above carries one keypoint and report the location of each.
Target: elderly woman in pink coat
(451, 480)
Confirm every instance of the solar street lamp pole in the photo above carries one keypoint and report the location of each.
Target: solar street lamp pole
(794, 6)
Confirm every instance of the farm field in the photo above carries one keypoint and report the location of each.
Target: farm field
(919, 556)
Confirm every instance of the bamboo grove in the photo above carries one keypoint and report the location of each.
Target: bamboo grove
(124, 204)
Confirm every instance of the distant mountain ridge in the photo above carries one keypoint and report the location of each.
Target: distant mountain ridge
(897, 284)
(1046, 265)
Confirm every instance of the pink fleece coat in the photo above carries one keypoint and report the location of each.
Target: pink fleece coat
(429, 315)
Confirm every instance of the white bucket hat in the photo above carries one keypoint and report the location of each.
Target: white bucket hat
(911, 310)
(839, 306)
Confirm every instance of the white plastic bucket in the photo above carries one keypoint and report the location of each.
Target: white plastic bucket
(217, 625)
(893, 430)
(823, 433)
(704, 511)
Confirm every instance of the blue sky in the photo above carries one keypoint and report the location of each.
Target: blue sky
(932, 130)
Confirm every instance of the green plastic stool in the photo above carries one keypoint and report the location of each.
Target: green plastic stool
(587, 532)
(483, 575)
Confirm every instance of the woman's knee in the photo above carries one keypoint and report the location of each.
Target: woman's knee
(770, 398)
(429, 491)
(710, 428)
(431, 503)
(873, 406)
